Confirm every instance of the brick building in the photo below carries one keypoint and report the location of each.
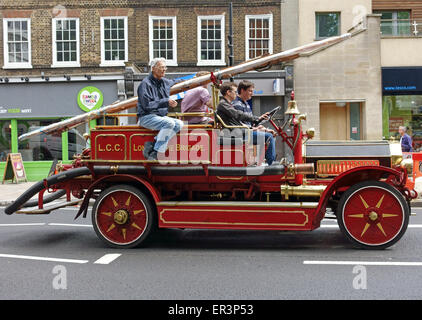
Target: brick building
(184, 25)
(62, 58)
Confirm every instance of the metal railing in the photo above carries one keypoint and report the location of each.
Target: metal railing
(401, 28)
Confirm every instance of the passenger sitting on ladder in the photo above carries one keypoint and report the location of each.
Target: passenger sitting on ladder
(197, 100)
(153, 102)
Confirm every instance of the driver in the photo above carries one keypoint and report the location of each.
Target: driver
(234, 117)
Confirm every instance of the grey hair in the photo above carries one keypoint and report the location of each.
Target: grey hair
(154, 62)
(403, 128)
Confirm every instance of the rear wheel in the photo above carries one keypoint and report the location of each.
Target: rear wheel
(373, 215)
(123, 216)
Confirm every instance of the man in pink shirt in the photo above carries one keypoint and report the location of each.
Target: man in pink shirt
(197, 100)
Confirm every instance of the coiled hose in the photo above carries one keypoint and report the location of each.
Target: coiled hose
(40, 185)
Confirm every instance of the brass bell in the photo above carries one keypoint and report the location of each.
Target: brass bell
(292, 106)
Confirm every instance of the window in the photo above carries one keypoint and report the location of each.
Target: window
(403, 110)
(17, 44)
(259, 35)
(41, 147)
(5, 139)
(327, 24)
(162, 39)
(395, 23)
(211, 41)
(114, 45)
(65, 43)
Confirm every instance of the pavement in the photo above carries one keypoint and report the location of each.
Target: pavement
(9, 192)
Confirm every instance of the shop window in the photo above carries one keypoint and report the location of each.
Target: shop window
(114, 41)
(66, 42)
(259, 35)
(327, 24)
(211, 40)
(40, 147)
(395, 23)
(5, 139)
(403, 110)
(17, 44)
(76, 141)
(162, 39)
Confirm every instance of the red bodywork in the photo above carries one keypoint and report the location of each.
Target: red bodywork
(230, 202)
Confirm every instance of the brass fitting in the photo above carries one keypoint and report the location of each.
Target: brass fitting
(300, 168)
(301, 191)
(310, 133)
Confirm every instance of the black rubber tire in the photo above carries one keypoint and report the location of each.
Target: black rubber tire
(363, 185)
(150, 213)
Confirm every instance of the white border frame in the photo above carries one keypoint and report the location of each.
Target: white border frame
(16, 65)
(114, 63)
(173, 62)
(258, 16)
(222, 61)
(65, 64)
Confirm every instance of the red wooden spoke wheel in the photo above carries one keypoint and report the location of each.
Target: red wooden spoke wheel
(122, 216)
(373, 215)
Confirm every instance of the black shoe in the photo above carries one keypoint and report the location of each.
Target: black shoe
(153, 155)
(148, 148)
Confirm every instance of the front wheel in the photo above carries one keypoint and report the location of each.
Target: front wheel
(373, 215)
(123, 216)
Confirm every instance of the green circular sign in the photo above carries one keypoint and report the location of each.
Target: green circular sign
(90, 98)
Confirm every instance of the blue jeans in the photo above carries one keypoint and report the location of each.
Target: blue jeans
(260, 138)
(168, 127)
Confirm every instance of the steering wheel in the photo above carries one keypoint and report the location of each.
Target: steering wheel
(270, 116)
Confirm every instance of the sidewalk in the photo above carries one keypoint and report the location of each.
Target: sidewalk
(10, 191)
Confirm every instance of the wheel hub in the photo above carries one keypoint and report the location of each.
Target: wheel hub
(373, 216)
(121, 216)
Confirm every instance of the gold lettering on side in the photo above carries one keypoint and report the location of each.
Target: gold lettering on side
(110, 148)
(182, 147)
(138, 147)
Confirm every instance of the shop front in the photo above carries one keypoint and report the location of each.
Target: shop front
(27, 106)
(402, 103)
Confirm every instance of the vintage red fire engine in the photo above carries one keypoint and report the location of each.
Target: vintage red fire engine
(211, 181)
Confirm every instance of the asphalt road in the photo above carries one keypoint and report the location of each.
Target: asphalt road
(42, 259)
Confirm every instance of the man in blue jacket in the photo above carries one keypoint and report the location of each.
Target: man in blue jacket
(153, 103)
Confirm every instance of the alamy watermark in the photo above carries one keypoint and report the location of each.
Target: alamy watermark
(360, 280)
(60, 278)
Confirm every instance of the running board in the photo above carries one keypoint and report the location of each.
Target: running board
(240, 215)
(47, 209)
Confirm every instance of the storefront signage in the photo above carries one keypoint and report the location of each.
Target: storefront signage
(13, 110)
(401, 80)
(14, 169)
(90, 98)
(395, 123)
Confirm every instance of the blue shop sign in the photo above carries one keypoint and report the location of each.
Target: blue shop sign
(402, 81)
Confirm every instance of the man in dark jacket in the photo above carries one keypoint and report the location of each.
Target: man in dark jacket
(234, 117)
(153, 103)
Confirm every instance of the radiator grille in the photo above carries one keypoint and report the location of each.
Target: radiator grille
(335, 167)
